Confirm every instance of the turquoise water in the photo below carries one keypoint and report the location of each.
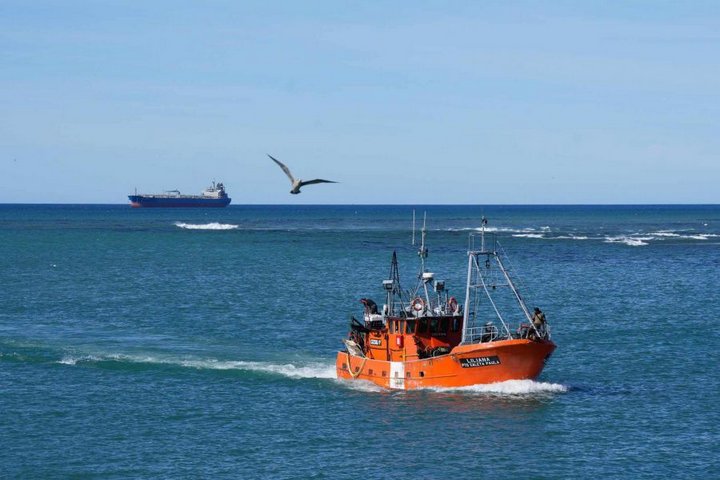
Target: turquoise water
(201, 344)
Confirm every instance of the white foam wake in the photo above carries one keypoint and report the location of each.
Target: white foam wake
(309, 370)
(361, 385)
(320, 370)
(510, 387)
(207, 226)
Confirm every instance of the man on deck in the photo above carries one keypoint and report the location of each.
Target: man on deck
(538, 320)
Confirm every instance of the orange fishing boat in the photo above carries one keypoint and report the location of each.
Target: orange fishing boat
(426, 338)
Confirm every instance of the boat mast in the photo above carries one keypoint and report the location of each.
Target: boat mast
(476, 280)
(482, 233)
(466, 310)
(413, 228)
(423, 252)
(423, 276)
(392, 287)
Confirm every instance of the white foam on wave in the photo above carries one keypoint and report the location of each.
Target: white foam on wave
(498, 229)
(640, 239)
(663, 234)
(572, 237)
(631, 241)
(207, 226)
(70, 360)
(698, 236)
(529, 235)
(509, 388)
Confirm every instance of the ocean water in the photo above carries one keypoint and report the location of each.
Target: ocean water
(201, 344)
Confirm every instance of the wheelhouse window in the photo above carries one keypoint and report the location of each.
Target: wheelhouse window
(422, 325)
(435, 325)
(410, 326)
(456, 324)
(444, 324)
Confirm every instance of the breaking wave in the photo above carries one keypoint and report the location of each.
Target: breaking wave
(572, 237)
(309, 370)
(207, 226)
(642, 239)
(529, 235)
(674, 235)
(70, 360)
(499, 229)
(631, 241)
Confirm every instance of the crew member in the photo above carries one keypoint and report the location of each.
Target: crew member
(538, 320)
(370, 306)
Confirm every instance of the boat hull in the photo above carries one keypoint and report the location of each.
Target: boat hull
(465, 365)
(140, 201)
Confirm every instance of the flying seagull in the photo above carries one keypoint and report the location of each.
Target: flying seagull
(297, 183)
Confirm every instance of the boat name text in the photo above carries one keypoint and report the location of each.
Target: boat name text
(479, 361)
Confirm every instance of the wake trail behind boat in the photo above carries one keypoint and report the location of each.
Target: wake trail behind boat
(509, 388)
(290, 370)
(311, 370)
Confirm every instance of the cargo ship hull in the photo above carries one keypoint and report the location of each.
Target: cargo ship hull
(213, 197)
(142, 201)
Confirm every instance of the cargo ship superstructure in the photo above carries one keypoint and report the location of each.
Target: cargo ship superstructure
(213, 196)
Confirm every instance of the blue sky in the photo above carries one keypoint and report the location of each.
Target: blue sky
(401, 102)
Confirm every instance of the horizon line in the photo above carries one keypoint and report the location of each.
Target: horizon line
(373, 205)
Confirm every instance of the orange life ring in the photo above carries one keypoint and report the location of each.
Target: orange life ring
(418, 304)
(453, 304)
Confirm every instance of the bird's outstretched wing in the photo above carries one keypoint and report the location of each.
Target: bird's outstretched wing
(317, 180)
(283, 166)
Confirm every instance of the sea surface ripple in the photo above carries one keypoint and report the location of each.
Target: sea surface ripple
(139, 343)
